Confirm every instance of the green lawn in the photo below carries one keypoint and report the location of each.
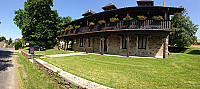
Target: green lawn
(181, 70)
(33, 78)
(48, 51)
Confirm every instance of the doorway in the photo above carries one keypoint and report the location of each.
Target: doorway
(105, 45)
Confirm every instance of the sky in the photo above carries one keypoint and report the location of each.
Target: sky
(75, 8)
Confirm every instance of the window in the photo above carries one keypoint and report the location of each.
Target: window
(89, 42)
(81, 42)
(124, 41)
(142, 40)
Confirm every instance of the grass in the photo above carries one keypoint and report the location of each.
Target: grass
(48, 51)
(32, 77)
(180, 70)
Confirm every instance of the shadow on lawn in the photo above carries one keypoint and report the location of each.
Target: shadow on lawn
(194, 52)
(177, 49)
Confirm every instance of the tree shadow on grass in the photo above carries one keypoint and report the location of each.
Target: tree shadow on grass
(194, 52)
(177, 49)
(4, 62)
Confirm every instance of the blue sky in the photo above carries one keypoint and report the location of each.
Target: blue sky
(75, 8)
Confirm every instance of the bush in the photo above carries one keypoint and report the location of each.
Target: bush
(18, 44)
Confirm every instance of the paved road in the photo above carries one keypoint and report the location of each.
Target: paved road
(7, 70)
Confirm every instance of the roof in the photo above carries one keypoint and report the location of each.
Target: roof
(198, 40)
(89, 12)
(144, 0)
(109, 6)
(151, 2)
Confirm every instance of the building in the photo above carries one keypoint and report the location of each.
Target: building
(3, 44)
(142, 30)
(198, 41)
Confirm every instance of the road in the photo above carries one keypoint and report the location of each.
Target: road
(7, 69)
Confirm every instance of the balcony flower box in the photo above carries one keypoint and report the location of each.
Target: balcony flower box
(70, 27)
(142, 17)
(127, 18)
(114, 19)
(91, 24)
(101, 22)
(77, 26)
(157, 17)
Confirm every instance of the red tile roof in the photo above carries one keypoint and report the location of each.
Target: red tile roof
(198, 40)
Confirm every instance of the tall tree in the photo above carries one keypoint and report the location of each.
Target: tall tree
(2, 38)
(10, 41)
(66, 19)
(184, 30)
(38, 22)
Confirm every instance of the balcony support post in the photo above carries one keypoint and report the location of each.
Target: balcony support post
(75, 45)
(87, 45)
(128, 45)
(164, 46)
(65, 45)
(166, 16)
(102, 45)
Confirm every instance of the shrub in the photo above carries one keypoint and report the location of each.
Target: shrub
(18, 44)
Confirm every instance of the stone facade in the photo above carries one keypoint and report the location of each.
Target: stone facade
(154, 45)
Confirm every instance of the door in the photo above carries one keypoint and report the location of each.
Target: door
(105, 45)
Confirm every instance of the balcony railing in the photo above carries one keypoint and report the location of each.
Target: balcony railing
(133, 24)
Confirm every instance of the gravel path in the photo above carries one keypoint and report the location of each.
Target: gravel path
(7, 69)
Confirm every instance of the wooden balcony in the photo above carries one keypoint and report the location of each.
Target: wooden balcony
(120, 25)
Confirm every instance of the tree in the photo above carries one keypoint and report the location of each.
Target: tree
(10, 41)
(184, 30)
(18, 44)
(38, 22)
(66, 19)
(2, 38)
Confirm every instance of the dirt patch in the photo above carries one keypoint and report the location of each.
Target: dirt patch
(17, 77)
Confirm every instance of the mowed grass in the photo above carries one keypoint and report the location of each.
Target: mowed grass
(48, 51)
(180, 70)
(33, 78)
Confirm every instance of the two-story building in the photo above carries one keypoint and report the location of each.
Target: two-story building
(142, 30)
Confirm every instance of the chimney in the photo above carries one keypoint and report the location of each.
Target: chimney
(164, 3)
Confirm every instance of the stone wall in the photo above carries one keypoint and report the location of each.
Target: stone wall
(94, 44)
(154, 46)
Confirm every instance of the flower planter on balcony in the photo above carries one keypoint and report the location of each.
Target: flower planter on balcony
(157, 17)
(91, 24)
(142, 17)
(113, 20)
(102, 22)
(77, 27)
(127, 18)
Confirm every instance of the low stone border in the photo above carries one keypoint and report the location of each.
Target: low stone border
(29, 56)
(67, 79)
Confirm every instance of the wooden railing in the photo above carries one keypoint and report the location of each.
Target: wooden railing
(134, 24)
